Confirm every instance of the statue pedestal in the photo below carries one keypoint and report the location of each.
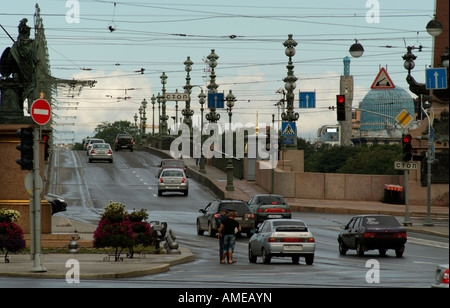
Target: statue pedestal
(12, 188)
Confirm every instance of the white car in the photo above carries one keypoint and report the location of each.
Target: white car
(100, 151)
(282, 238)
(173, 179)
(91, 142)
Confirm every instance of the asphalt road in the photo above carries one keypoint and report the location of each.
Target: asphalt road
(88, 187)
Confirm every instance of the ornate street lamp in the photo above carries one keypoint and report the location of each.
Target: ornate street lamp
(144, 118)
(202, 99)
(409, 58)
(153, 112)
(140, 120)
(159, 100)
(164, 117)
(187, 112)
(230, 98)
(290, 80)
(212, 116)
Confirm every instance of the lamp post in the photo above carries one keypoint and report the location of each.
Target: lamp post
(159, 99)
(135, 125)
(356, 50)
(187, 112)
(202, 99)
(290, 79)
(144, 118)
(140, 120)
(153, 115)
(212, 116)
(230, 98)
(164, 117)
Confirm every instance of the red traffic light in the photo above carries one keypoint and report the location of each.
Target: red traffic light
(340, 98)
(406, 138)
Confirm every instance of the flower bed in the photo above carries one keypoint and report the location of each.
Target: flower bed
(116, 230)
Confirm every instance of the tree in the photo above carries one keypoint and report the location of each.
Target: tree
(108, 131)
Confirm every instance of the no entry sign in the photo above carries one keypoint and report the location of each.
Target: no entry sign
(40, 111)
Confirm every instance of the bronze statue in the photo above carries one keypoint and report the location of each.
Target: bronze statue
(18, 74)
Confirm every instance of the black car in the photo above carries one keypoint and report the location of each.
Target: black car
(58, 203)
(269, 207)
(207, 221)
(369, 232)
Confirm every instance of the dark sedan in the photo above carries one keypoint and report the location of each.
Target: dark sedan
(269, 207)
(369, 232)
(207, 221)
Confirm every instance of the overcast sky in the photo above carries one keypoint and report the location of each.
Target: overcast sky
(246, 35)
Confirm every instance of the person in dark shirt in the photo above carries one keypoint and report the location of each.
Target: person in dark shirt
(219, 220)
(228, 231)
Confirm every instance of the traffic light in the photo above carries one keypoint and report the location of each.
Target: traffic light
(406, 147)
(26, 148)
(340, 106)
(46, 147)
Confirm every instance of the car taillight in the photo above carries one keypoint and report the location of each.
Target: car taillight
(110, 151)
(400, 235)
(445, 277)
(183, 180)
(92, 151)
(291, 240)
(370, 234)
(161, 180)
(216, 215)
(131, 140)
(249, 215)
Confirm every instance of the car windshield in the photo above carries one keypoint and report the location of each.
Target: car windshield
(380, 221)
(174, 173)
(101, 146)
(239, 207)
(96, 141)
(272, 200)
(173, 163)
(289, 226)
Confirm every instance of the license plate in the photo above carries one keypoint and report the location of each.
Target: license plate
(292, 247)
(101, 152)
(274, 216)
(238, 218)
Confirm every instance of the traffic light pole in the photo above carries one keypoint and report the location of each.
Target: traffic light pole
(36, 226)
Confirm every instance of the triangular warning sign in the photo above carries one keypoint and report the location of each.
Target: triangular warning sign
(383, 81)
(288, 130)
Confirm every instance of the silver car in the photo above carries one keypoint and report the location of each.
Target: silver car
(172, 179)
(282, 238)
(100, 151)
(91, 142)
(441, 276)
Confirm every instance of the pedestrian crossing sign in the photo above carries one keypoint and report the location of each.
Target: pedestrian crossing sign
(288, 129)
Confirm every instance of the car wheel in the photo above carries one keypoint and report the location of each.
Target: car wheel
(211, 232)
(186, 192)
(90, 160)
(309, 259)
(295, 259)
(111, 161)
(342, 249)
(359, 249)
(159, 193)
(399, 251)
(199, 230)
(266, 258)
(251, 257)
(382, 252)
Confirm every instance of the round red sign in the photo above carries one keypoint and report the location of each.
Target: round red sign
(40, 111)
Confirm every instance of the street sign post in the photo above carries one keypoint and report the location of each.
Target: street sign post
(404, 118)
(410, 165)
(177, 96)
(41, 111)
(436, 78)
(307, 99)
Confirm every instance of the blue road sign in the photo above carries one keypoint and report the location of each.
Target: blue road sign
(216, 100)
(436, 78)
(287, 129)
(288, 140)
(307, 99)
